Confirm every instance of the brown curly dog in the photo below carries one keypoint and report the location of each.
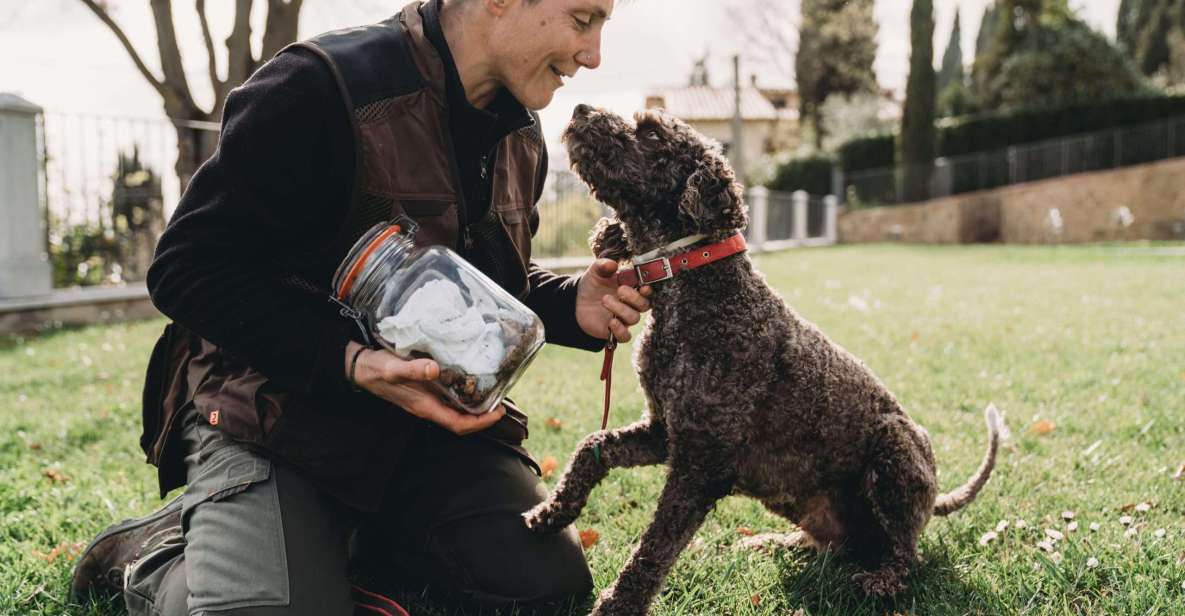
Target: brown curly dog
(744, 396)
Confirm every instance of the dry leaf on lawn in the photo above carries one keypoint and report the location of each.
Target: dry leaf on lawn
(755, 599)
(745, 530)
(55, 475)
(554, 423)
(1042, 427)
(589, 537)
(548, 466)
(1180, 474)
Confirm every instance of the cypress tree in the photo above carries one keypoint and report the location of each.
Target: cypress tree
(916, 150)
(952, 58)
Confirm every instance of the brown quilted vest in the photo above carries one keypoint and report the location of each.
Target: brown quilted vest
(393, 83)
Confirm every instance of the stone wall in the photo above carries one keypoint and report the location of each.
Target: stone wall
(1142, 202)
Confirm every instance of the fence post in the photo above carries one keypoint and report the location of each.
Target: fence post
(837, 182)
(830, 211)
(799, 200)
(758, 215)
(24, 262)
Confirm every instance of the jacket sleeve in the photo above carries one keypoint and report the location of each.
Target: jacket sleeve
(553, 296)
(274, 194)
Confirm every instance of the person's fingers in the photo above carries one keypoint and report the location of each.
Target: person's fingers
(624, 313)
(620, 332)
(462, 423)
(646, 290)
(395, 370)
(633, 298)
(605, 267)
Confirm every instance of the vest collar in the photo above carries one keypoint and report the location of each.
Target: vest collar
(648, 270)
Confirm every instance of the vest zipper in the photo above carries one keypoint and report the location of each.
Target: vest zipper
(462, 207)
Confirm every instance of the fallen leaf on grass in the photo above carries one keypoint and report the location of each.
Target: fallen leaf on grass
(589, 538)
(1092, 562)
(1001, 526)
(1046, 545)
(35, 446)
(746, 531)
(755, 599)
(1180, 474)
(1054, 534)
(1067, 515)
(1094, 527)
(1071, 527)
(69, 550)
(554, 423)
(1042, 427)
(55, 475)
(1127, 507)
(1143, 507)
(548, 466)
(988, 537)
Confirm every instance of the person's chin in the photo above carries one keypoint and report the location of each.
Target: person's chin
(539, 99)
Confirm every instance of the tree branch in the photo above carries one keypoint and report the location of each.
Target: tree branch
(283, 20)
(178, 100)
(239, 59)
(215, 83)
(127, 45)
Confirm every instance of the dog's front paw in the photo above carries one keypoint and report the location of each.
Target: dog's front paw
(549, 517)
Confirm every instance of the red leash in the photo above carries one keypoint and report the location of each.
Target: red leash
(607, 376)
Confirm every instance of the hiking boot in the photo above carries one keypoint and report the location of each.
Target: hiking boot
(102, 568)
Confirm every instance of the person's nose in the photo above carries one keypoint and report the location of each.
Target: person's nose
(581, 111)
(590, 57)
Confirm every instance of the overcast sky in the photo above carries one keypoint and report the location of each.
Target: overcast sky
(57, 54)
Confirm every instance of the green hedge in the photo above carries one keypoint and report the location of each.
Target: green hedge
(987, 132)
(811, 174)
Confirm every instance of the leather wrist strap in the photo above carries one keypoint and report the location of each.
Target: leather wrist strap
(353, 365)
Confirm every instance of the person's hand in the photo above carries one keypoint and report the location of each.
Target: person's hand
(404, 384)
(603, 306)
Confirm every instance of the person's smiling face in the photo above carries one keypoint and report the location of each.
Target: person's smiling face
(539, 45)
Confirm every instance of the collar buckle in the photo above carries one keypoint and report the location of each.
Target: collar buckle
(667, 273)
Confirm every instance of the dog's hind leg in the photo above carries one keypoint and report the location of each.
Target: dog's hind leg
(639, 444)
(685, 502)
(899, 490)
(820, 527)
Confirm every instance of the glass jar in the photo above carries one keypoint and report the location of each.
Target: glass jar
(428, 302)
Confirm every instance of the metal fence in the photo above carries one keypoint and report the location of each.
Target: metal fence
(782, 220)
(1121, 147)
(94, 166)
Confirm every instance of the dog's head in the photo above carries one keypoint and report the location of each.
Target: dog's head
(663, 179)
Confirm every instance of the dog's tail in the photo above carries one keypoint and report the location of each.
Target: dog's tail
(955, 500)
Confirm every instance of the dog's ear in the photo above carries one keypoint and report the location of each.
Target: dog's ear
(713, 200)
(608, 240)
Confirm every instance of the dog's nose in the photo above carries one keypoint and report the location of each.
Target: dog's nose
(581, 111)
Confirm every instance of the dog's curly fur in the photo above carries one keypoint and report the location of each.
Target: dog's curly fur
(744, 396)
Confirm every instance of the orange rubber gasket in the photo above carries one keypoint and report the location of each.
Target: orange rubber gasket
(361, 262)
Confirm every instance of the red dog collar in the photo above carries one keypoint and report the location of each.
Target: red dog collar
(665, 268)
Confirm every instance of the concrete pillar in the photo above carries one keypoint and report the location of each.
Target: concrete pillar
(758, 215)
(830, 212)
(799, 200)
(24, 261)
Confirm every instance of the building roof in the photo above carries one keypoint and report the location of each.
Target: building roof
(708, 103)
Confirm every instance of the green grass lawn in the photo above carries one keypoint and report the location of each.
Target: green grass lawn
(1089, 338)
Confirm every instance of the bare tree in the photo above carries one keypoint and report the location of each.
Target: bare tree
(771, 31)
(194, 145)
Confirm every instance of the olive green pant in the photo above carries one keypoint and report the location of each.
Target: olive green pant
(259, 540)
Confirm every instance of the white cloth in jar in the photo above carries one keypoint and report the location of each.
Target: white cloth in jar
(436, 320)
